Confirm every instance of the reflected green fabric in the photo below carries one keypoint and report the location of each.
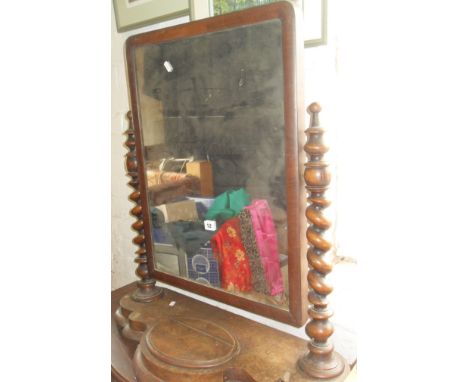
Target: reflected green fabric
(227, 205)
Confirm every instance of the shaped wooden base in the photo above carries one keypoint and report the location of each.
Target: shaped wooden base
(186, 350)
(181, 339)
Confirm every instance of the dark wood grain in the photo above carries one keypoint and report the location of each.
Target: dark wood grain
(147, 290)
(321, 361)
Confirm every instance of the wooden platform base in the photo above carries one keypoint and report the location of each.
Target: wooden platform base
(177, 339)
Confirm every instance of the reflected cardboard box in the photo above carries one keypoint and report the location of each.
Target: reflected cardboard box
(169, 259)
(185, 210)
(202, 205)
(202, 170)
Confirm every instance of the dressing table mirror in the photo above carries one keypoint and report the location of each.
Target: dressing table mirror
(215, 160)
(227, 206)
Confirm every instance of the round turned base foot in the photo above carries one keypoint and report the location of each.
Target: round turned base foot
(331, 369)
(184, 349)
(147, 291)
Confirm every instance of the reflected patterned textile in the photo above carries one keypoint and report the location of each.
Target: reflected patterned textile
(267, 241)
(234, 265)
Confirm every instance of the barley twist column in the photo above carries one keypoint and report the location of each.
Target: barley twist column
(321, 361)
(147, 291)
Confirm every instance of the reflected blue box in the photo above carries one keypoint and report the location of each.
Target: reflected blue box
(203, 267)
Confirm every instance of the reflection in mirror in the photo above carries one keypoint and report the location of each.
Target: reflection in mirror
(212, 117)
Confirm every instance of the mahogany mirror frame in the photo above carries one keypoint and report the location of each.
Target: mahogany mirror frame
(294, 116)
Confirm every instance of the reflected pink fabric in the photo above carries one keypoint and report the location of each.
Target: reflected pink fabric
(267, 242)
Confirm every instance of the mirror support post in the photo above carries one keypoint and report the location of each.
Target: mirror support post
(321, 361)
(147, 291)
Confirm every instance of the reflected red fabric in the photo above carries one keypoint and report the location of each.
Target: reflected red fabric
(230, 252)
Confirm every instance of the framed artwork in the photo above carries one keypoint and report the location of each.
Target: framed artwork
(314, 14)
(131, 14)
(315, 22)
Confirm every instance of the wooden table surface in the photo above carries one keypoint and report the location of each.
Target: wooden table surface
(268, 354)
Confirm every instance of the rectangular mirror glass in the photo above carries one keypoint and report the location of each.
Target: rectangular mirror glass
(215, 104)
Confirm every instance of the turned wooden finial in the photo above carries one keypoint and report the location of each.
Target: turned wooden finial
(321, 361)
(147, 291)
(313, 110)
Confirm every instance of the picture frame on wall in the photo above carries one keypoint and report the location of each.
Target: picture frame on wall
(131, 14)
(315, 22)
(315, 14)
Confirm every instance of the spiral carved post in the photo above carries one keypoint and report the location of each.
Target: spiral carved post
(147, 291)
(321, 361)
